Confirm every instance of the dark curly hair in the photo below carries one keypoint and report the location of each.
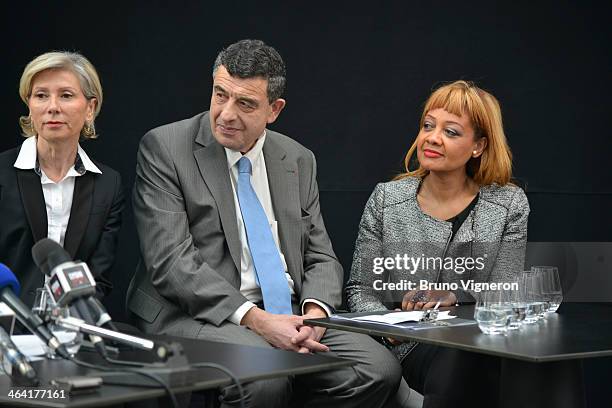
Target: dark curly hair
(253, 58)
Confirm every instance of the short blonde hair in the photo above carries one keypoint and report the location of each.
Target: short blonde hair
(462, 97)
(72, 61)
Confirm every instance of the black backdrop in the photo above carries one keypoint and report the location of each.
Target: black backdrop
(358, 75)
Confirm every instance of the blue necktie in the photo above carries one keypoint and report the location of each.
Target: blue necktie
(268, 266)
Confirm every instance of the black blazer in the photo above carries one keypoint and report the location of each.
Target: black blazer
(92, 232)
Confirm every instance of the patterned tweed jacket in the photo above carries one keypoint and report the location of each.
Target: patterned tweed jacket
(488, 247)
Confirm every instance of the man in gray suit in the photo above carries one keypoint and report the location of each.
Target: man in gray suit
(233, 244)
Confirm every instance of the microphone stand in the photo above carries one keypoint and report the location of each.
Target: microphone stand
(50, 311)
(72, 323)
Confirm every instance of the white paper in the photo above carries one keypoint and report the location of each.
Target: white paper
(31, 346)
(396, 317)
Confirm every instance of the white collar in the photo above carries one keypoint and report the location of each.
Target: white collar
(27, 158)
(253, 155)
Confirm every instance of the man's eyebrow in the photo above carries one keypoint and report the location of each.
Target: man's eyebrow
(248, 100)
(219, 88)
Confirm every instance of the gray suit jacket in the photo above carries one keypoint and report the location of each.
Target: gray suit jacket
(393, 223)
(186, 221)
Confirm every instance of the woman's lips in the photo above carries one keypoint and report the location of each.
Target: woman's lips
(432, 154)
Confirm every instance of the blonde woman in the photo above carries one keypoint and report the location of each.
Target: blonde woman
(49, 186)
(452, 218)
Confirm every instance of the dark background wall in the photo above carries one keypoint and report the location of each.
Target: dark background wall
(358, 75)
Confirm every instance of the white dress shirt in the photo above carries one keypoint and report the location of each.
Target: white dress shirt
(259, 181)
(58, 196)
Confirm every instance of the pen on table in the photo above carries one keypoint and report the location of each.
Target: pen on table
(433, 314)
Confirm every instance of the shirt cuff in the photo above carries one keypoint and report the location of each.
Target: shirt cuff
(326, 308)
(237, 316)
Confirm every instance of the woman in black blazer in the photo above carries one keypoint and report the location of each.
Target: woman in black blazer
(49, 187)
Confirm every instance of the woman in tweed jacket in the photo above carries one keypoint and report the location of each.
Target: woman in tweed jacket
(454, 221)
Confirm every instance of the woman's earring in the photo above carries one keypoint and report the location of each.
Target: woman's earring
(31, 124)
(475, 152)
(89, 129)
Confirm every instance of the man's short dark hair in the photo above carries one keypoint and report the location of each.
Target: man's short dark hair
(253, 58)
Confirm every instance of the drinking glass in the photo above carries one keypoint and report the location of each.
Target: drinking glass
(551, 286)
(41, 300)
(492, 312)
(516, 298)
(46, 308)
(532, 282)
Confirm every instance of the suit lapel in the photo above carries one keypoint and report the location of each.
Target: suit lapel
(33, 202)
(79, 212)
(284, 191)
(212, 163)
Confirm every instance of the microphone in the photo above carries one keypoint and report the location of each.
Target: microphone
(67, 280)
(14, 363)
(102, 317)
(9, 290)
(79, 282)
(70, 283)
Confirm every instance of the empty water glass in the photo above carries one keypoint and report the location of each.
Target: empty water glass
(516, 298)
(551, 286)
(41, 300)
(532, 282)
(46, 308)
(492, 312)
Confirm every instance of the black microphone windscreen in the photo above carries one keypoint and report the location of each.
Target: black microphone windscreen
(47, 254)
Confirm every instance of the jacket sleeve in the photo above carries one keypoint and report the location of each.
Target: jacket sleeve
(360, 292)
(103, 257)
(510, 260)
(172, 261)
(323, 275)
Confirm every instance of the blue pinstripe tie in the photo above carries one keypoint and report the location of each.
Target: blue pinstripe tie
(268, 266)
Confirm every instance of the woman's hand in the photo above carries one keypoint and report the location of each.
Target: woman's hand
(393, 341)
(427, 299)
